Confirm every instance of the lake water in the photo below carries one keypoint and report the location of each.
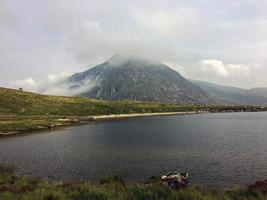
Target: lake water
(216, 149)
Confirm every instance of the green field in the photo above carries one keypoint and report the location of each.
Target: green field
(25, 111)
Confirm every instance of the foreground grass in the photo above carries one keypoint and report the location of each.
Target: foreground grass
(25, 188)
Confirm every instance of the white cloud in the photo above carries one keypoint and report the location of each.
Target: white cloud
(179, 68)
(239, 74)
(43, 37)
(218, 68)
(43, 86)
(27, 84)
(55, 84)
(56, 78)
(172, 22)
(214, 66)
(93, 26)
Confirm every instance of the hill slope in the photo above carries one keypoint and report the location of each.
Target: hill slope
(25, 112)
(261, 91)
(16, 102)
(226, 94)
(129, 77)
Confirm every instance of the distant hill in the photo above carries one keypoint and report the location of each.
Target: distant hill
(233, 95)
(130, 77)
(261, 91)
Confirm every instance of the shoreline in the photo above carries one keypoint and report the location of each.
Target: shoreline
(66, 121)
(121, 116)
(80, 120)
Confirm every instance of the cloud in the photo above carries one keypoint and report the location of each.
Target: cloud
(217, 71)
(214, 66)
(44, 37)
(67, 88)
(56, 84)
(57, 78)
(27, 84)
(50, 85)
(172, 22)
(218, 68)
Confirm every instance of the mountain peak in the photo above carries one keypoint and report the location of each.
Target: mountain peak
(132, 77)
(122, 59)
(119, 56)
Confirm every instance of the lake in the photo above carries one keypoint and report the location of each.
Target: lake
(221, 149)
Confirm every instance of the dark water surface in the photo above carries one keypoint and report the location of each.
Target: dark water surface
(216, 149)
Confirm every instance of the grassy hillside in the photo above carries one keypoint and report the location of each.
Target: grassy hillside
(26, 103)
(113, 188)
(24, 111)
(15, 102)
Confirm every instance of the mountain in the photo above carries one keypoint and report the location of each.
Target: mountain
(233, 95)
(130, 77)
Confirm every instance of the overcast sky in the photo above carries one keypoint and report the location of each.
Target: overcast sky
(221, 41)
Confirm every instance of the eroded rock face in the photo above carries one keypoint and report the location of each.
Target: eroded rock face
(130, 77)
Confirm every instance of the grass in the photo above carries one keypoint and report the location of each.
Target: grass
(6, 168)
(113, 188)
(25, 111)
(15, 102)
(23, 125)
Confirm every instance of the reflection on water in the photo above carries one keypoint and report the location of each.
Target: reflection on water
(216, 149)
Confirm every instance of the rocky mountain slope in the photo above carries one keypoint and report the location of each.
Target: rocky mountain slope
(130, 77)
